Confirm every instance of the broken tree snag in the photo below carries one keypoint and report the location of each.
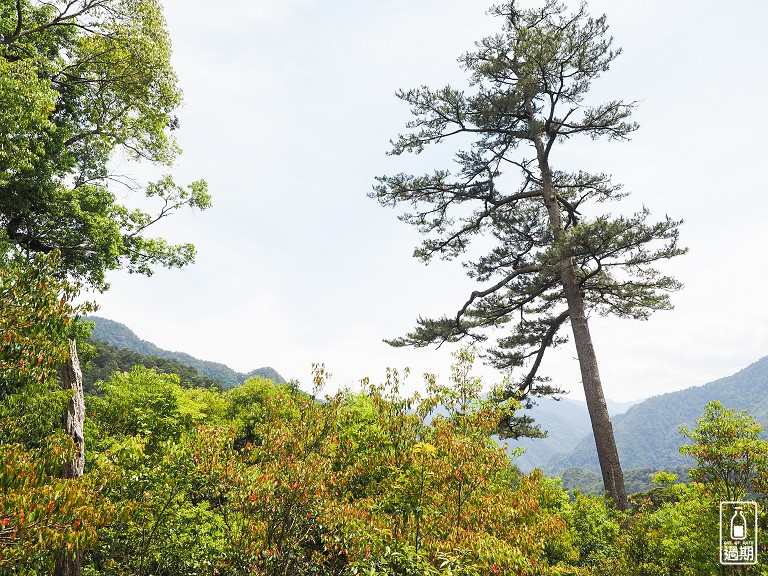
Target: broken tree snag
(74, 416)
(69, 563)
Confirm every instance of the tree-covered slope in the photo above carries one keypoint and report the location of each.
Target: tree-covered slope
(108, 359)
(636, 479)
(648, 434)
(120, 336)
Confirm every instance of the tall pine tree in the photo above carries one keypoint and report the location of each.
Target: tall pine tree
(556, 257)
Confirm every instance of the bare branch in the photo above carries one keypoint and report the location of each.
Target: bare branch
(545, 343)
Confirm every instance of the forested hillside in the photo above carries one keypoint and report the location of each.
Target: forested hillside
(107, 359)
(648, 434)
(638, 479)
(120, 336)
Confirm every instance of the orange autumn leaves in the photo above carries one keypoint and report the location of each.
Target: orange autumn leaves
(357, 481)
(35, 318)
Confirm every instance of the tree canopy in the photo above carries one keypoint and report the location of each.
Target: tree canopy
(528, 91)
(80, 81)
(731, 458)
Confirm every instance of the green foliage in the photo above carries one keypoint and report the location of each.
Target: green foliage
(39, 512)
(26, 101)
(583, 480)
(729, 453)
(276, 482)
(443, 498)
(675, 529)
(638, 480)
(36, 324)
(265, 479)
(165, 528)
(82, 80)
(140, 403)
(597, 526)
(246, 407)
(678, 537)
(35, 321)
(107, 359)
(664, 478)
(202, 405)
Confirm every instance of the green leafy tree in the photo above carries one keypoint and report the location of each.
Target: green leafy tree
(145, 432)
(165, 527)
(681, 537)
(596, 527)
(245, 407)
(730, 455)
(448, 501)
(82, 80)
(555, 257)
(35, 321)
(140, 402)
(39, 512)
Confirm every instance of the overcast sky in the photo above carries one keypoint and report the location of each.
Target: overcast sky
(289, 108)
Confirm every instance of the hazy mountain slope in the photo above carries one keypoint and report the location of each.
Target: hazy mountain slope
(566, 421)
(647, 435)
(265, 372)
(120, 336)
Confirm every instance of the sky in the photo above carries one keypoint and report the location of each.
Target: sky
(289, 109)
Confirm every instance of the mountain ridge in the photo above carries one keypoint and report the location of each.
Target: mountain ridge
(648, 434)
(565, 420)
(120, 336)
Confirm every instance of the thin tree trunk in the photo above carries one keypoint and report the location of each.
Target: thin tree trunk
(605, 443)
(69, 563)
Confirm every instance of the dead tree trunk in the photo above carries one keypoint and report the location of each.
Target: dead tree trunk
(69, 563)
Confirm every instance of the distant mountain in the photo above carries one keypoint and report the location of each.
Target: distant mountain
(648, 436)
(265, 372)
(566, 422)
(108, 359)
(616, 408)
(120, 336)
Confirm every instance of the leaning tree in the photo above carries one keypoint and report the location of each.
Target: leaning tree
(555, 257)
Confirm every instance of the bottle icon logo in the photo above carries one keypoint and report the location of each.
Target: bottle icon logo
(738, 533)
(738, 524)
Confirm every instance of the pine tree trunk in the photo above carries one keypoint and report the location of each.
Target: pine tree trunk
(69, 563)
(605, 442)
(607, 453)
